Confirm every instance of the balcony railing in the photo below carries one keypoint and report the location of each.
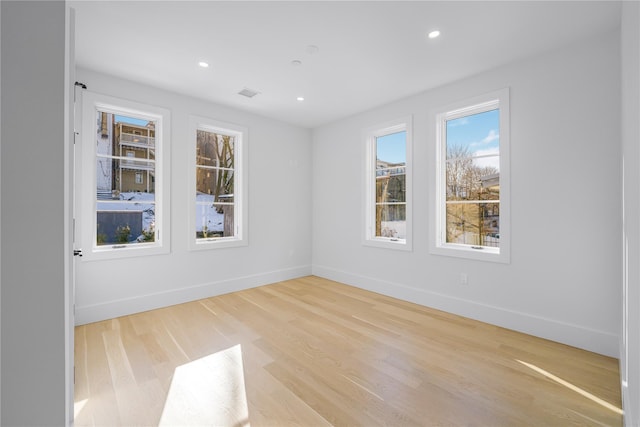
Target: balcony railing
(139, 141)
(392, 171)
(141, 164)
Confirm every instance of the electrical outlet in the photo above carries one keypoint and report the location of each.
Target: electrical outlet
(464, 279)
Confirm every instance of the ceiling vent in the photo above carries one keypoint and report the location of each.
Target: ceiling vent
(249, 93)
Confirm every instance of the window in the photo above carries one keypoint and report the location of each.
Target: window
(124, 195)
(472, 179)
(388, 185)
(218, 186)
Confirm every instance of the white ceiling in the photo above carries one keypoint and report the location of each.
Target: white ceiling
(370, 52)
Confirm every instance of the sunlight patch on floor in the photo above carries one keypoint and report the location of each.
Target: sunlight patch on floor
(78, 406)
(208, 391)
(572, 387)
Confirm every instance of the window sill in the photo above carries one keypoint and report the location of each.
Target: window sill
(217, 243)
(108, 252)
(388, 243)
(471, 252)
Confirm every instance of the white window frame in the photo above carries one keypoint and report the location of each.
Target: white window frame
(438, 244)
(86, 171)
(370, 135)
(240, 189)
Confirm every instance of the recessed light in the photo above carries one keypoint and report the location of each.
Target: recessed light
(296, 63)
(433, 34)
(300, 98)
(203, 64)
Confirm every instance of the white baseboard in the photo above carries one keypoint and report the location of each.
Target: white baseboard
(627, 404)
(554, 330)
(122, 307)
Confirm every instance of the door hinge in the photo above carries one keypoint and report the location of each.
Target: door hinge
(81, 86)
(77, 252)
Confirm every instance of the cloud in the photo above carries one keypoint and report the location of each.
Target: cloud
(458, 122)
(493, 135)
(492, 161)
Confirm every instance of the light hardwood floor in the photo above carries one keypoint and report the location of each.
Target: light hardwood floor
(313, 352)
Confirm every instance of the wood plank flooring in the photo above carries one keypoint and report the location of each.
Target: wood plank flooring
(312, 352)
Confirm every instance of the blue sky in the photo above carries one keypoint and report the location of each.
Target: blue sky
(132, 120)
(392, 148)
(479, 132)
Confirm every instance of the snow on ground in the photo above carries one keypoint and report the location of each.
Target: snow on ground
(394, 229)
(471, 238)
(206, 214)
(133, 201)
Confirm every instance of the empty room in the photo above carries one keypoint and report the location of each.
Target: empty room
(320, 213)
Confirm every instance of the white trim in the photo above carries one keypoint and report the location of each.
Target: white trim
(567, 333)
(627, 416)
(67, 355)
(241, 220)
(437, 243)
(122, 307)
(91, 103)
(68, 195)
(369, 193)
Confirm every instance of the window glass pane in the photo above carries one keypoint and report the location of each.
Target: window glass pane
(214, 149)
(487, 165)
(489, 187)
(125, 179)
(473, 224)
(391, 221)
(472, 174)
(216, 182)
(126, 219)
(391, 161)
(474, 135)
(391, 188)
(466, 180)
(391, 149)
(213, 219)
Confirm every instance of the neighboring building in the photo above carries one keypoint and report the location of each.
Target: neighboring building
(491, 211)
(118, 146)
(104, 147)
(391, 187)
(134, 142)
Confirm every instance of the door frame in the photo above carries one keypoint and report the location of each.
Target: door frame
(69, 169)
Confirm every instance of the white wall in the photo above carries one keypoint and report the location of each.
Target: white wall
(279, 217)
(33, 268)
(630, 344)
(563, 279)
(0, 217)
